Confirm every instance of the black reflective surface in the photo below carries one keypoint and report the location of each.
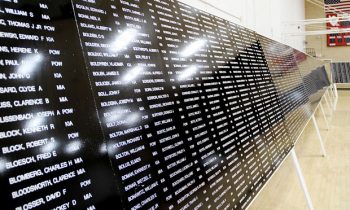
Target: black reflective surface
(340, 72)
(143, 105)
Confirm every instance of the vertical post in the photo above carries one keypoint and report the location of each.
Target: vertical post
(332, 102)
(328, 105)
(335, 90)
(327, 91)
(335, 93)
(332, 91)
(301, 179)
(324, 115)
(319, 135)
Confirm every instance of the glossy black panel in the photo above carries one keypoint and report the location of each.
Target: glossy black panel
(143, 105)
(340, 72)
(51, 140)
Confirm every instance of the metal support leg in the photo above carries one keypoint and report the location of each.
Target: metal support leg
(319, 135)
(324, 116)
(301, 179)
(335, 90)
(332, 102)
(327, 91)
(328, 105)
(335, 93)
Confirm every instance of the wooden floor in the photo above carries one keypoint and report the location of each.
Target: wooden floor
(328, 179)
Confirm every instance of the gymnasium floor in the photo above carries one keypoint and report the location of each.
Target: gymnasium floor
(328, 179)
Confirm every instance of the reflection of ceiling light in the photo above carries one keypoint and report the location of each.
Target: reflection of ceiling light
(187, 73)
(29, 63)
(49, 147)
(214, 156)
(123, 40)
(113, 148)
(132, 74)
(307, 109)
(103, 148)
(133, 118)
(296, 96)
(118, 113)
(73, 147)
(35, 122)
(193, 47)
(122, 116)
(2, 165)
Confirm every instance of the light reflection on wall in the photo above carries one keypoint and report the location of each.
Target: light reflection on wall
(211, 161)
(35, 122)
(103, 148)
(118, 113)
(187, 73)
(49, 147)
(122, 118)
(73, 147)
(132, 74)
(30, 63)
(123, 40)
(2, 165)
(193, 47)
(132, 118)
(297, 95)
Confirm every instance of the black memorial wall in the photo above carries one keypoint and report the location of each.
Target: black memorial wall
(340, 72)
(119, 104)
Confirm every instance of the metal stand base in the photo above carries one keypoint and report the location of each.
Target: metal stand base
(324, 115)
(328, 104)
(301, 179)
(318, 135)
